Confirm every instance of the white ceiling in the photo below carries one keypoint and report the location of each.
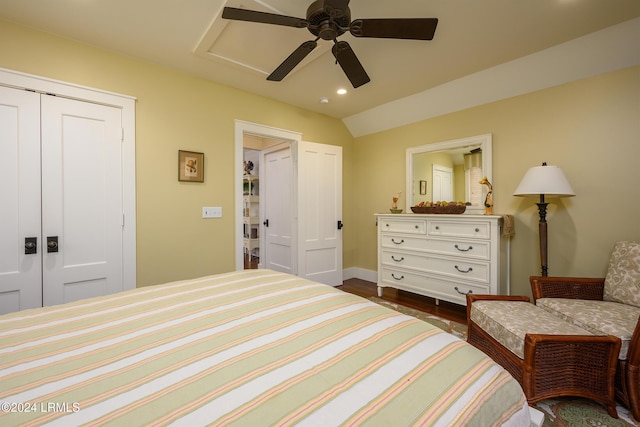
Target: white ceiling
(190, 35)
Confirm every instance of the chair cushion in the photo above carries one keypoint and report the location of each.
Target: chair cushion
(509, 321)
(622, 282)
(598, 317)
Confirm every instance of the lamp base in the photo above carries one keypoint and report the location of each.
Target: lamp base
(542, 230)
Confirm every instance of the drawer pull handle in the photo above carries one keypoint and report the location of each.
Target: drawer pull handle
(397, 278)
(393, 257)
(397, 243)
(463, 250)
(477, 230)
(469, 270)
(416, 226)
(437, 227)
(463, 293)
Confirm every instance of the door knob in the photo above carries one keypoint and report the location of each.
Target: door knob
(30, 245)
(52, 244)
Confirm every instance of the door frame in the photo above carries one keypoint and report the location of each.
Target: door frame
(241, 128)
(126, 104)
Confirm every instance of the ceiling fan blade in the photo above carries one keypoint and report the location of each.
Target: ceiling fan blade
(350, 64)
(400, 28)
(263, 17)
(294, 59)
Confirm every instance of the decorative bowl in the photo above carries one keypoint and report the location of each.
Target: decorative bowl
(457, 209)
(396, 211)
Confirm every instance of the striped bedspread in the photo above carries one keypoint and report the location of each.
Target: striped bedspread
(248, 348)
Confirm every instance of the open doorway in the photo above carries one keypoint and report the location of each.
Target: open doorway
(252, 152)
(254, 138)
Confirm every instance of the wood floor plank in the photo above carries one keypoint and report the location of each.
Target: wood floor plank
(447, 310)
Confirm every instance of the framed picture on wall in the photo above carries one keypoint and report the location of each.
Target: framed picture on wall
(423, 187)
(190, 166)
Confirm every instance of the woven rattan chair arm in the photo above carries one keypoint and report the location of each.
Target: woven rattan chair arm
(633, 355)
(565, 365)
(567, 287)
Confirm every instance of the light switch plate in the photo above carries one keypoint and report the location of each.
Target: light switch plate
(212, 212)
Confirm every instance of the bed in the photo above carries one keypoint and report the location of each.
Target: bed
(246, 348)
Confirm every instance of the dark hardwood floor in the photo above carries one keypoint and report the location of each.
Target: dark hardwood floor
(447, 310)
(250, 262)
(363, 288)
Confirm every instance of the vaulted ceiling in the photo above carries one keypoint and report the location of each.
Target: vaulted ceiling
(191, 35)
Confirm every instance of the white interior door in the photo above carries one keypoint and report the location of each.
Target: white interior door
(442, 183)
(82, 199)
(277, 204)
(20, 273)
(320, 212)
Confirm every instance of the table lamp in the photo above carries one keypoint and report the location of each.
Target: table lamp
(544, 181)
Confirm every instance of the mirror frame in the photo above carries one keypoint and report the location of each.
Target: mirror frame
(484, 141)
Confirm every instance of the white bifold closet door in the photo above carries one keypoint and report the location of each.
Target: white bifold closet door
(62, 187)
(20, 209)
(81, 199)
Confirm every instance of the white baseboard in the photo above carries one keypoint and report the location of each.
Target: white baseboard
(360, 273)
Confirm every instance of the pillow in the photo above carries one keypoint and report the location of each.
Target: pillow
(622, 282)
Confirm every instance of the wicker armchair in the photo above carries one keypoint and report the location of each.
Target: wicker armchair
(547, 291)
(548, 356)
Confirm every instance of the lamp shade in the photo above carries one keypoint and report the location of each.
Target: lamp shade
(544, 180)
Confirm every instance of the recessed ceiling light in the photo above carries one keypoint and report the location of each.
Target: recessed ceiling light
(342, 91)
(324, 100)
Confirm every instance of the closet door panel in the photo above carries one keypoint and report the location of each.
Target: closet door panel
(82, 199)
(20, 273)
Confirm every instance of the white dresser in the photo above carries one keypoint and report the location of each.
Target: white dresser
(441, 256)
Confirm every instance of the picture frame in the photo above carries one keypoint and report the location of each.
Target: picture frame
(190, 166)
(423, 187)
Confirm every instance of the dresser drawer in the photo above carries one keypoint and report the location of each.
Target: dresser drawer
(411, 260)
(410, 226)
(431, 286)
(445, 228)
(464, 269)
(459, 247)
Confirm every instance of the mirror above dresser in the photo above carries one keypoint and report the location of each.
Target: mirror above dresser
(449, 171)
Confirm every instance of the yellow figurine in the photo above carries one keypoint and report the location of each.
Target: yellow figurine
(488, 200)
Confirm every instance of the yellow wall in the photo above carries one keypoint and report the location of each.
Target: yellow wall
(591, 128)
(176, 111)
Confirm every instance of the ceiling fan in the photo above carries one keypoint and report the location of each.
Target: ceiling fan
(328, 20)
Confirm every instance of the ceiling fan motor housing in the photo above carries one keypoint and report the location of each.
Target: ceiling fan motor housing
(326, 21)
